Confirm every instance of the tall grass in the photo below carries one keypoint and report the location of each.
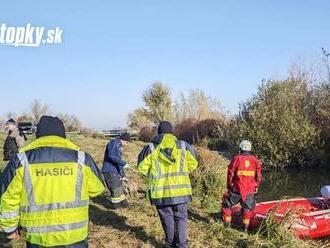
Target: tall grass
(139, 225)
(276, 232)
(209, 180)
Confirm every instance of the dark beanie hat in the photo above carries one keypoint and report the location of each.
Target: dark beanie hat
(49, 125)
(165, 127)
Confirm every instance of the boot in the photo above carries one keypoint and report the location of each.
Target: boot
(226, 224)
(167, 245)
(122, 204)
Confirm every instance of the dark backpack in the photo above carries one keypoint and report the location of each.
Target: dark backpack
(10, 148)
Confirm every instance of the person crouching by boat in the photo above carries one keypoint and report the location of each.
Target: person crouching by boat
(243, 180)
(113, 171)
(325, 192)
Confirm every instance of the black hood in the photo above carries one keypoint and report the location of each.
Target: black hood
(157, 139)
(165, 127)
(49, 125)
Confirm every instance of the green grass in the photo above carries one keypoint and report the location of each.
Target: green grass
(139, 226)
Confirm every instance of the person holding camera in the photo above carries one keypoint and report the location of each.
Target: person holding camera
(15, 140)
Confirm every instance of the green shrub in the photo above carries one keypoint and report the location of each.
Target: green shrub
(277, 121)
(320, 116)
(218, 144)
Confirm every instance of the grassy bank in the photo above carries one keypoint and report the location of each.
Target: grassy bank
(139, 226)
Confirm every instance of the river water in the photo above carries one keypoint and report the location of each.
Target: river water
(290, 183)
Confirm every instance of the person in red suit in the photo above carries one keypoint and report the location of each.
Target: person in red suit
(243, 180)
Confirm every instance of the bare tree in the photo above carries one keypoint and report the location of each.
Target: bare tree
(10, 115)
(38, 109)
(308, 69)
(24, 117)
(139, 119)
(325, 59)
(197, 105)
(71, 122)
(2, 123)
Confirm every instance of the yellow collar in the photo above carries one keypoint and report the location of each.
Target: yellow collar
(50, 141)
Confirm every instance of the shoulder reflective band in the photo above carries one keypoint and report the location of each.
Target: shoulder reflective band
(171, 174)
(246, 173)
(55, 228)
(159, 172)
(9, 215)
(183, 155)
(81, 162)
(27, 178)
(152, 147)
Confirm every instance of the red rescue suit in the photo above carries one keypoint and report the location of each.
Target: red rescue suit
(244, 174)
(243, 179)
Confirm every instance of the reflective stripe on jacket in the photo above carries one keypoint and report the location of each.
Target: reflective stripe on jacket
(45, 191)
(167, 163)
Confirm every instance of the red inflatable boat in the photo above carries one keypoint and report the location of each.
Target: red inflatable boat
(309, 217)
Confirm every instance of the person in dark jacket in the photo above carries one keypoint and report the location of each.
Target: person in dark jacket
(114, 171)
(14, 141)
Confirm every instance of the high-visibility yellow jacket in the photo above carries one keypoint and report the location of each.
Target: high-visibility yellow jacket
(45, 192)
(167, 163)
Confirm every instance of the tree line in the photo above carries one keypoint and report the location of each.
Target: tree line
(287, 120)
(38, 109)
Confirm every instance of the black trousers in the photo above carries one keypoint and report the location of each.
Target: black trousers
(234, 198)
(174, 220)
(115, 185)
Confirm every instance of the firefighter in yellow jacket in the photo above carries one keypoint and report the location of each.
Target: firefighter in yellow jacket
(167, 163)
(45, 190)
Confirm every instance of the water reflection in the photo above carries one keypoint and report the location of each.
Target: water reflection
(292, 183)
